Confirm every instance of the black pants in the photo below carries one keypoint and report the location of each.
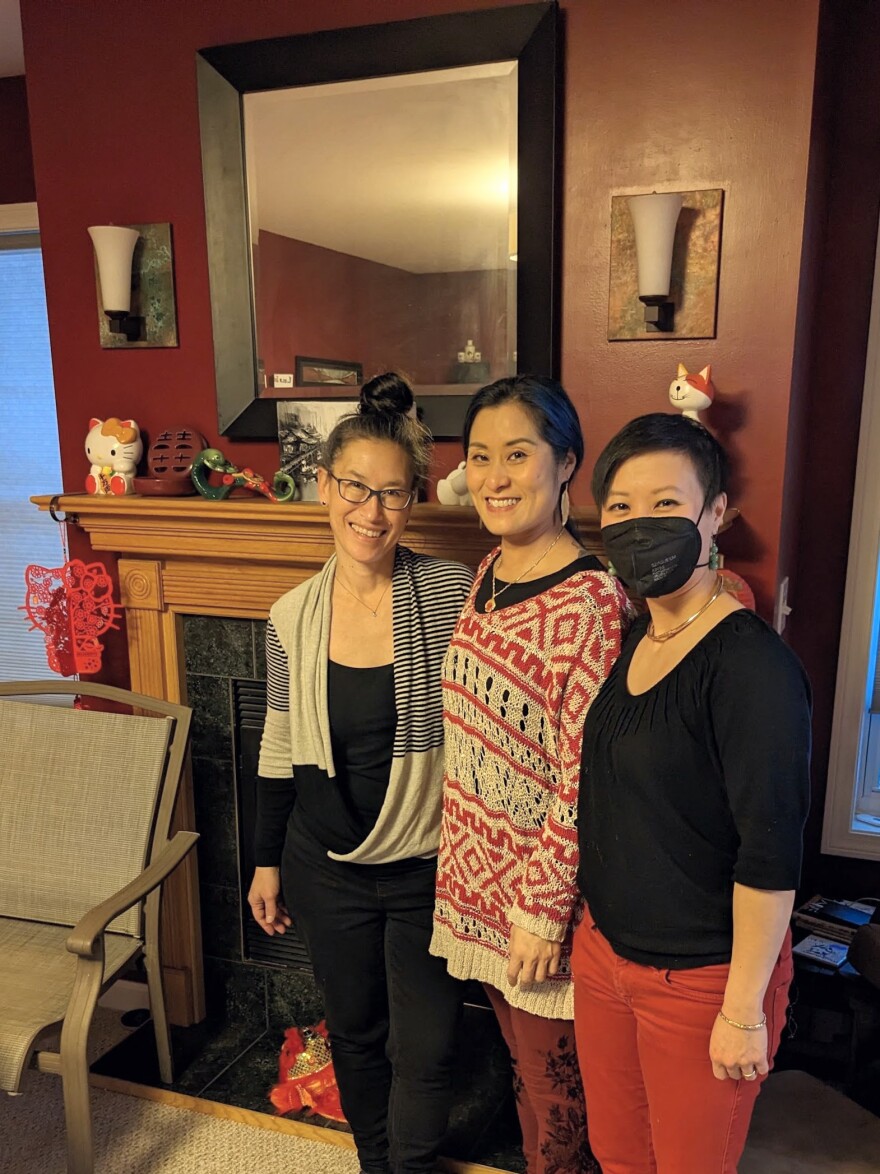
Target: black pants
(392, 1009)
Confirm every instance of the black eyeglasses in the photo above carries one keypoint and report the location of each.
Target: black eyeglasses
(357, 494)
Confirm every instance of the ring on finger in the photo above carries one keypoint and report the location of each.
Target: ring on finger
(753, 1075)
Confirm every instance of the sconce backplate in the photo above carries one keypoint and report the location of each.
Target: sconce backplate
(695, 256)
(152, 292)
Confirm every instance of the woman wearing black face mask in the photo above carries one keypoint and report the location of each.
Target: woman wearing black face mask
(694, 792)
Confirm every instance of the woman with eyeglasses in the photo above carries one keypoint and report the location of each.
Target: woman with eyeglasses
(349, 794)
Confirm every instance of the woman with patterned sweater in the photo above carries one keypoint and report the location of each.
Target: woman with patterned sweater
(351, 768)
(538, 635)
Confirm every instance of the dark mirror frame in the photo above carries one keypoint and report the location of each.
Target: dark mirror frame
(528, 33)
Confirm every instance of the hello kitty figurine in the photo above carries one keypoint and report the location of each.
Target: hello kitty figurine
(692, 393)
(453, 490)
(114, 448)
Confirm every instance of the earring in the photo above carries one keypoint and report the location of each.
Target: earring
(610, 569)
(565, 505)
(714, 557)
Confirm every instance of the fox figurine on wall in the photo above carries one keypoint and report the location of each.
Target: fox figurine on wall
(692, 393)
(114, 448)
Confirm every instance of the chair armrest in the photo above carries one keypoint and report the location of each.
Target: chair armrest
(89, 928)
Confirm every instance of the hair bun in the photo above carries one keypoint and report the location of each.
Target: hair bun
(387, 394)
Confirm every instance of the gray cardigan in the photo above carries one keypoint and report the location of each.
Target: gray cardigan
(427, 596)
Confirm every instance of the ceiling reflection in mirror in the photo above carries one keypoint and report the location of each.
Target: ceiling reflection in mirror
(383, 218)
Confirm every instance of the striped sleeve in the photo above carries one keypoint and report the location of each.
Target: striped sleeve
(423, 626)
(275, 787)
(275, 748)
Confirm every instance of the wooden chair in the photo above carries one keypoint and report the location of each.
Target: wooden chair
(86, 799)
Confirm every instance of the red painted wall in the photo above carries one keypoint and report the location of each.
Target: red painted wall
(322, 303)
(455, 307)
(692, 94)
(17, 168)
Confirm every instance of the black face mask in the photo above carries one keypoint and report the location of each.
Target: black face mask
(653, 556)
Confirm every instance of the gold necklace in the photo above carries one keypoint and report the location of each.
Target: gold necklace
(490, 603)
(661, 639)
(373, 613)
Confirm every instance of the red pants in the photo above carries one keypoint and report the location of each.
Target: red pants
(643, 1045)
(547, 1084)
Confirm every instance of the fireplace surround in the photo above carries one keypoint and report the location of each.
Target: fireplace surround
(181, 559)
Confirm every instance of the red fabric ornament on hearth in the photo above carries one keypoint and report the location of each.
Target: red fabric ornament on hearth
(305, 1074)
(72, 605)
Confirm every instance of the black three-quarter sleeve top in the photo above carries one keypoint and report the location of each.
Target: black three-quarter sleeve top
(338, 813)
(700, 782)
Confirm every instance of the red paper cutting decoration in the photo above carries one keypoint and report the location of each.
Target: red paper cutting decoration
(72, 605)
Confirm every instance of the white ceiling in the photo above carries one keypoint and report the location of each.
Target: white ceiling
(11, 52)
(416, 171)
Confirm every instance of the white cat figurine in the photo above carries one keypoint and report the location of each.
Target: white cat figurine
(453, 490)
(114, 448)
(692, 393)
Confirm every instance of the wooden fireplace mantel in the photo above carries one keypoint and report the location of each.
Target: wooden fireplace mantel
(189, 556)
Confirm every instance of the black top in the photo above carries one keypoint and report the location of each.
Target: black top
(699, 782)
(363, 719)
(339, 812)
(520, 592)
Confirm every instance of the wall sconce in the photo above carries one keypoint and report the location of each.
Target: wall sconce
(135, 285)
(663, 279)
(654, 219)
(114, 252)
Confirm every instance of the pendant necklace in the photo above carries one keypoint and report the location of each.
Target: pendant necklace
(490, 603)
(664, 636)
(373, 613)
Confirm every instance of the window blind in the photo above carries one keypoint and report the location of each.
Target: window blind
(29, 456)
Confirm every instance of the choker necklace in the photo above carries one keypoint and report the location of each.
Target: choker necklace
(664, 636)
(345, 587)
(490, 603)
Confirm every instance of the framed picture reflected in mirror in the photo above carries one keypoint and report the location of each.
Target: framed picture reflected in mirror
(327, 373)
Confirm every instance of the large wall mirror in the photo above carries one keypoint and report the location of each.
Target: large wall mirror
(377, 198)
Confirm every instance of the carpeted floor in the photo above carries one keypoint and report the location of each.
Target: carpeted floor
(134, 1136)
(801, 1126)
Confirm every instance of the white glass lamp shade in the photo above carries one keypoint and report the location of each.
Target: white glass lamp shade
(654, 218)
(114, 248)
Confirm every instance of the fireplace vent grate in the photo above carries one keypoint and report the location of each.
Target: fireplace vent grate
(248, 714)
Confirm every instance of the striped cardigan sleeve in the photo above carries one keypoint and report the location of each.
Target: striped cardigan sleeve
(276, 755)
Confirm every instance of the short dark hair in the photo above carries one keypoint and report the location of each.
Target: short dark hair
(664, 432)
(385, 412)
(546, 401)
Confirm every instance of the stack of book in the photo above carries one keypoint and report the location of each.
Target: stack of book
(832, 925)
(837, 920)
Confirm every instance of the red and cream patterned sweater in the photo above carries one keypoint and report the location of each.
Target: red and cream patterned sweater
(516, 686)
